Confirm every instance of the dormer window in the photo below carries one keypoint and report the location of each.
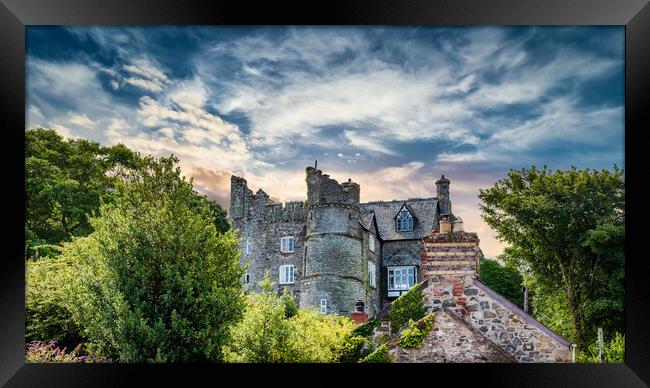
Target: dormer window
(404, 220)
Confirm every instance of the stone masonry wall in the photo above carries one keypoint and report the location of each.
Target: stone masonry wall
(499, 320)
(452, 340)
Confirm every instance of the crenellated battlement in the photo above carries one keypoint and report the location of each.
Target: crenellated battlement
(259, 206)
(321, 189)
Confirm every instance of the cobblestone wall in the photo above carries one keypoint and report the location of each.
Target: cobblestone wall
(452, 340)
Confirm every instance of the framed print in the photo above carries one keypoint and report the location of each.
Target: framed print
(215, 187)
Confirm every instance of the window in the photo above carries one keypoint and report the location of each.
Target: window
(247, 248)
(372, 274)
(404, 221)
(286, 244)
(371, 242)
(246, 278)
(400, 278)
(323, 306)
(287, 274)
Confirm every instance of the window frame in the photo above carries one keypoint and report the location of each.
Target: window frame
(372, 274)
(402, 277)
(372, 243)
(282, 278)
(407, 219)
(323, 306)
(283, 244)
(247, 246)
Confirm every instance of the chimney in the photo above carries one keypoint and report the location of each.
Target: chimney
(445, 226)
(359, 315)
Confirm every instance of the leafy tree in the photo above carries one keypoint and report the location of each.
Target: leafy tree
(505, 280)
(264, 334)
(154, 282)
(566, 229)
(65, 181)
(290, 305)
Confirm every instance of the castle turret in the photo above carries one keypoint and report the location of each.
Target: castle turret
(333, 272)
(442, 192)
(238, 201)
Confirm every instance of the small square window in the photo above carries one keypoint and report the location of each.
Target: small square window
(286, 244)
(323, 306)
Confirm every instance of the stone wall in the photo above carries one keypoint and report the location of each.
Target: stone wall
(373, 294)
(451, 340)
(502, 322)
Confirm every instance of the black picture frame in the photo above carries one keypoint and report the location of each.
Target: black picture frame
(15, 15)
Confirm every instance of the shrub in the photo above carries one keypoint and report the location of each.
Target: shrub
(350, 349)
(154, 282)
(40, 352)
(47, 317)
(412, 336)
(366, 329)
(290, 305)
(614, 351)
(267, 334)
(409, 306)
(380, 355)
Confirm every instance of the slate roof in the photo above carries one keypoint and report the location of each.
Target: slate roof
(366, 220)
(422, 209)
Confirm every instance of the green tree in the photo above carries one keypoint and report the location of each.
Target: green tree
(264, 334)
(65, 182)
(558, 225)
(154, 282)
(504, 279)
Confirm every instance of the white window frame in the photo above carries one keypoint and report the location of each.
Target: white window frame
(287, 244)
(287, 274)
(372, 242)
(372, 274)
(404, 220)
(246, 278)
(323, 306)
(400, 279)
(247, 247)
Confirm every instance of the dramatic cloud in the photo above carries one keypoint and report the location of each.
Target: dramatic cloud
(390, 108)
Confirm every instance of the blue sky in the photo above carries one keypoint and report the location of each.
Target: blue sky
(392, 108)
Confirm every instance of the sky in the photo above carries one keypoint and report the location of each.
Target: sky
(392, 108)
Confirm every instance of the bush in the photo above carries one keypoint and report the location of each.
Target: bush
(380, 355)
(350, 349)
(290, 305)
(367, 329)
(409, 306)
(614, 351)
(268, 334)
(47, 317)
(154, 282)
(40, 352)
(412, 336)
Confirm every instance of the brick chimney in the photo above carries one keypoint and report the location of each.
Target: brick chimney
(359, 315)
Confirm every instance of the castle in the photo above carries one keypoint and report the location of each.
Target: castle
(336, 254)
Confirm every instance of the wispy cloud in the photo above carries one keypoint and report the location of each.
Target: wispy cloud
(391, 108)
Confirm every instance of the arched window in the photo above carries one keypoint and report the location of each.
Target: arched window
(404, 220)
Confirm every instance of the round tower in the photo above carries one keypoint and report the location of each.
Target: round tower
(333, 273)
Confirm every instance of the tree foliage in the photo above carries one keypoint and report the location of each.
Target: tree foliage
(269, 334)
(154, 282)
(46, 314)
(504, 279)
(413, 336)
(566, 228)
(65, 182)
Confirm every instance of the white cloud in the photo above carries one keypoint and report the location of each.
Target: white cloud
(81, 120)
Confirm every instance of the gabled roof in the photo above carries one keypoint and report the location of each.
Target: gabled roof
(422, 209)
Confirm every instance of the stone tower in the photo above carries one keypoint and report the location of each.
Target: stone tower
(333, 268)
(442, 192)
